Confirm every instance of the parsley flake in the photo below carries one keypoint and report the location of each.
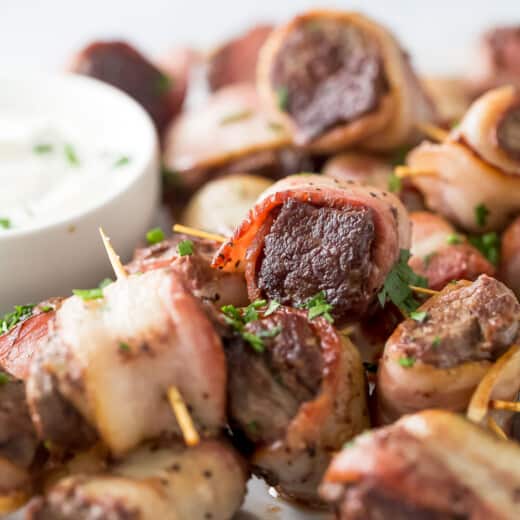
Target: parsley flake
(185, 248)
(481, 214)
(5, 223)
(93, 294)
(154, 236)
(43, 148)
(274, 126)
(70, 155)
(122, 161)
(20, 313)
(488, 244)
(317, 306)
(236, 117)
(4, 378)
(419, 316)
(407, 362)
(282, 98)
(454, 239)
(394, 183)
(272, 307)
(163, 84)
(436, 341)
(396, 287)
(124, 347)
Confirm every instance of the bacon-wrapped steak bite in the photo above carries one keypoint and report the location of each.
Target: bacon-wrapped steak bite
(157, 481)
(18, 444)
(436, 358)
(441, 255)
(235, 61)
(338, 79)
(112, 360)
(20, 340)
(231, 133)
(297, 393)
(121, 65)
(308, 234)
(433, 465)
(473, 176)
(205, 283)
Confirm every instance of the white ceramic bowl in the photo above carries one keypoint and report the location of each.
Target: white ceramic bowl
(52, 259)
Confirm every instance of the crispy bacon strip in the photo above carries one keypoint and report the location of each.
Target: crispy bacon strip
(478, 165)
(434, 464)
(112, 361)
(369, 57)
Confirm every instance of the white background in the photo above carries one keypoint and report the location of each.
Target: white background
(43, 33)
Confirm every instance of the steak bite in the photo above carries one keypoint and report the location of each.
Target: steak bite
(296, 392)
(433, 465)
(332, 73)
(438, 359)
(310, 249)
(311, 235)
(339, 79)
(121, 65)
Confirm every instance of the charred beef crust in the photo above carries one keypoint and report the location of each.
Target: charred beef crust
(309, 249)
(508, 132)
(18, 441)
(473, 322)
(266, 389)
(122, 66)
(333, 74)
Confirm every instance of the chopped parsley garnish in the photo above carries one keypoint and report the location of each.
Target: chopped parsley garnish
(282, 98)
(93, 294)
(317, 305)
(46, 308)
(419, 316)
(436, 341)
(399, 157)
(237, 318)
(235, 117)
(481, 215)
(454, 239)
(488, 244)
(394, 183)
(5, 223)
(406, 362)
(4, 378)
(124, 347)
(272, 307)
(163, 84)
(43, 148)
(20, 313)
(122, 161)
(274, 126)
(349, 444)
(397, 285)
(253, 426)
(370, 367)
(71, 155)
(88, 294)
(185, 248)
(154, 236)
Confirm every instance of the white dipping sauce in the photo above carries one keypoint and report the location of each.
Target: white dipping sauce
(50, 169)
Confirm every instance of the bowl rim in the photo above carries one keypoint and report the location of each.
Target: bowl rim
(136, 170)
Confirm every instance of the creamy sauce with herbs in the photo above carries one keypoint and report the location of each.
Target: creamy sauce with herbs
(49, 170)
